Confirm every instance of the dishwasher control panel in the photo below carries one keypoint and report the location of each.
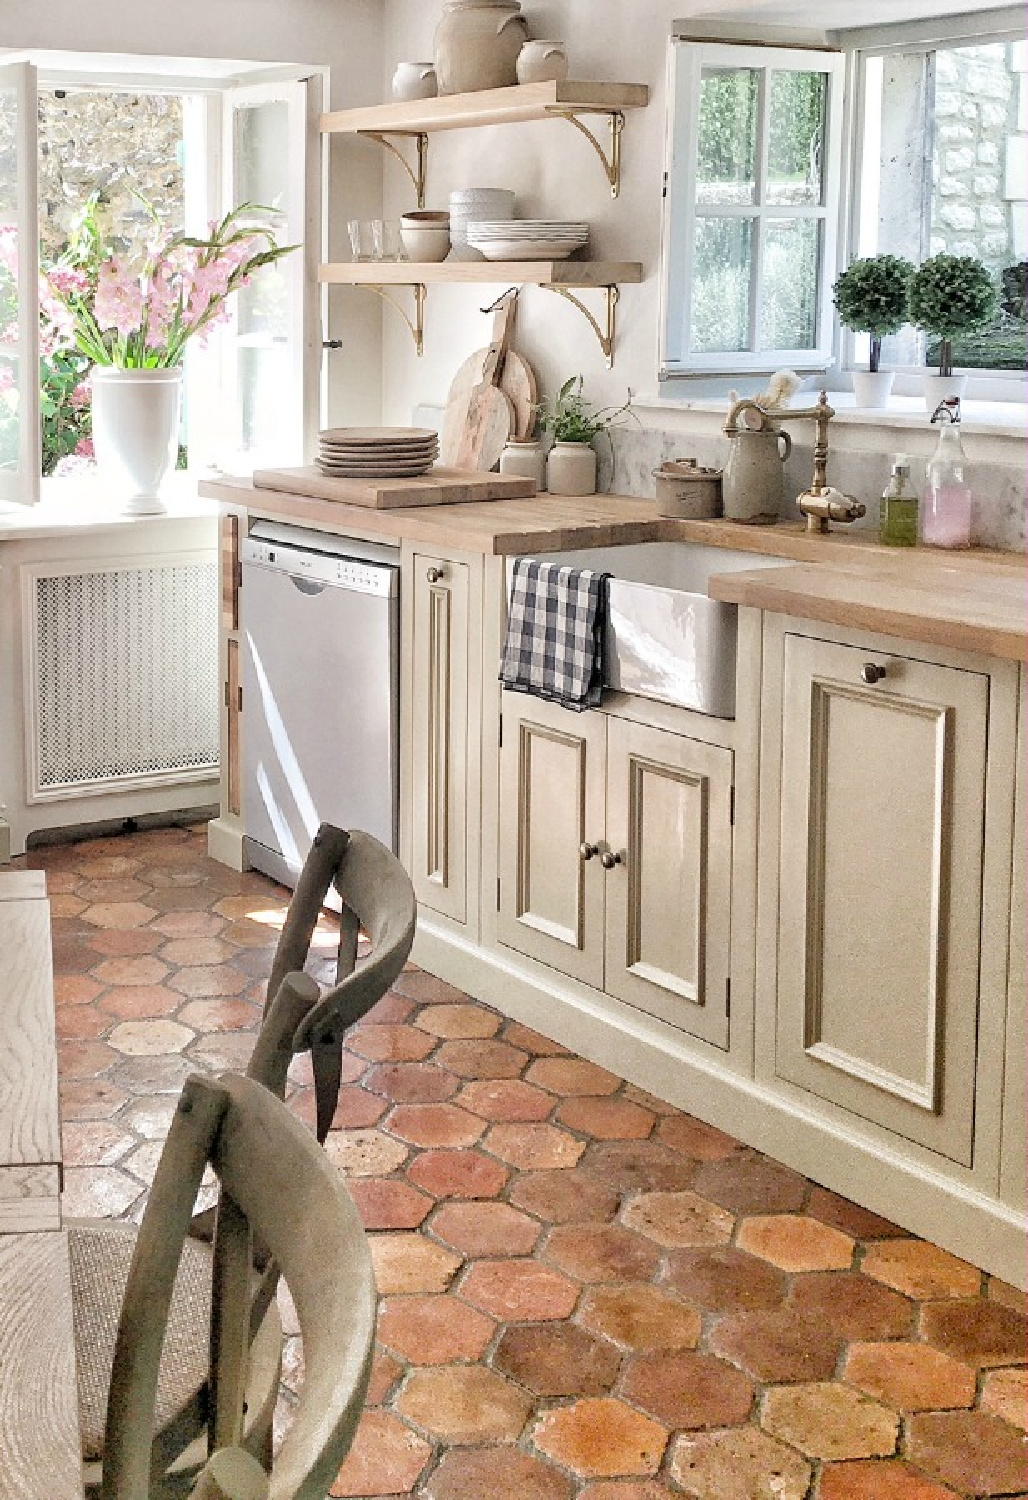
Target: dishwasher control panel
(350, 573)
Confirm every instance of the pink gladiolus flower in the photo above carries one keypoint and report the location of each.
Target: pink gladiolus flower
(81, 396)
(84, 448)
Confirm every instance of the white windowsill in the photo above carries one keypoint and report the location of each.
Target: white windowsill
(997, 418)
(82, 503)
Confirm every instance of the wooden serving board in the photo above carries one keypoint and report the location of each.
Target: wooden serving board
(440, 486)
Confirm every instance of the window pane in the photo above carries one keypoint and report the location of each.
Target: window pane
(9, 427)
(796, 133)
(263, 375)
(261, 166)
(788, 306)
(727, 146)
(720, 316)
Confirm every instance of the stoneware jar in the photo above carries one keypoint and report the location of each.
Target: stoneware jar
(477, 44)
(541, 62)
(414, 80)
(525, 458)
(571, 469)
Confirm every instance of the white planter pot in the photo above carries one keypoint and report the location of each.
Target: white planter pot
(135, 432)
(940, 387)
(525, 459)
(873, 387)
(541, 62)
(571, 469)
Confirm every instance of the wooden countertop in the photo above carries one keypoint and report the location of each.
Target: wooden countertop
(974, 601)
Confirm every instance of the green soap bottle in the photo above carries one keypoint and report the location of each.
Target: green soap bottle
(898, 517)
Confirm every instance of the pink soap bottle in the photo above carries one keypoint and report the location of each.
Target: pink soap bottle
(947, 506)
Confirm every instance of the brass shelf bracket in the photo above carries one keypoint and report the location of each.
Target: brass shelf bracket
(416, 174)
(612, 161)
(417, 324)
(605, 337)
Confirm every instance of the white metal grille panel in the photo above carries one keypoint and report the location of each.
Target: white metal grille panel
(125, 676)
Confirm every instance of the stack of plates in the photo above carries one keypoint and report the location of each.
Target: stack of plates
(377, 452)
(527, 239)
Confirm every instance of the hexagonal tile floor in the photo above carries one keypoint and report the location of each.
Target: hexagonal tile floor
(586, 1294)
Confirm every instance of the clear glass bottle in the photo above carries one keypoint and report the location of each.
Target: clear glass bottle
(947, 506)
(898, 515)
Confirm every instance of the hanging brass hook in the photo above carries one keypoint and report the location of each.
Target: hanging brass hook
(501, 298)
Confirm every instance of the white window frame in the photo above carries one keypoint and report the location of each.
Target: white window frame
(686, 63)
(21, 485)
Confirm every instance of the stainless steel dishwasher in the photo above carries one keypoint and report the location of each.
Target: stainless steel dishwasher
(319, 618)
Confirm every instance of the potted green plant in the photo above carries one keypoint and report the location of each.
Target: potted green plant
(573, 422)
(949, 295)
(871, 296)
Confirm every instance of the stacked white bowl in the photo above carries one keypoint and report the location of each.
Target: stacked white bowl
(527, 239)
(467, 204)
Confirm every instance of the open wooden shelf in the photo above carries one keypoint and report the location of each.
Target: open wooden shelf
(576, 273)
(526, 101)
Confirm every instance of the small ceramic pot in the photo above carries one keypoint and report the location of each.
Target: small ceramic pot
(684, 488)
(541, 62)
(477, 44)
(941, 387)
(525, 458)
(425, 234)
(414, 80)
(873, 388)
(571, 469)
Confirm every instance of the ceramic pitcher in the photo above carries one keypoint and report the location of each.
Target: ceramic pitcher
(477, 44)
(753, 484)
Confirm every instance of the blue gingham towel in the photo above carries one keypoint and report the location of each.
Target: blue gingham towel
(554, 645)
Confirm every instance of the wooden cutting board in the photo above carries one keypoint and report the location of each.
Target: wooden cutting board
(489, 420)
(518, 383)
(441, 486)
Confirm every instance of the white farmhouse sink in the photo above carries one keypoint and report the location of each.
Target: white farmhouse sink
(665, 638)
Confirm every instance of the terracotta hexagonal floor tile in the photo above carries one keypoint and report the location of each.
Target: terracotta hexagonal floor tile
(979, 1332)
(750, 1184)
(484, 1229)
(910, 1377)
(434, 1125)
(78, 989)
(695, 1139)
(1005, 1394)
(142, 970)
(855, 1305)
(386, 1458)
(151, 1038)
(458, 1174)
(463, 1404)
(153, 1075)
(739, 1463)
(678, 1219)
(921, 1270)
(142, 1162)
(389, 1043)
(606, 1119)
(84, 1059)
(477, 1473)
(70, 906)
(505, 1099)
(557, 1360)
(406, 1262)
(778, 1346)
(356, 1109)
(878, 1479)
(411, 1083)
(97, 1192)
(126, 942)
(221, 1051)
(519, 1291)
(973, 1451)
(572, 1075)
(626, 1489)
(601, 1252)
(481, 1059)
(208, 980)
(81, 1021)
(139, 1001)
(640, 1317)
(433, 1330)
(532, 1041)
(386, 1371)
(720, 1278)
(426, 989)
(118, 914)
(861, 1223)
(688, 1390)
(190, 924)
(125, 889)
(149, 1118)
(389, 1205)
(796, 1244)
(1009, 1296)
(459, 1022)
(830, 1421)
(90, 1099)
(599, 1436)
(563, 1197)
(365, 1153)
(93, 1143)
(639, 1166)
(196, 950)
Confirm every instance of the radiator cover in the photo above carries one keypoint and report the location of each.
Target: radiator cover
(121, 674)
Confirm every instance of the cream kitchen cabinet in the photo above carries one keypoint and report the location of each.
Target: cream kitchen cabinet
(440, 734)
(615, 859)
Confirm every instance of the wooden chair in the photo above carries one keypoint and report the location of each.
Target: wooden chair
(378, 899)
(277, 1184)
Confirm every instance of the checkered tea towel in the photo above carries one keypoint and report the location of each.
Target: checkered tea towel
(554, 645)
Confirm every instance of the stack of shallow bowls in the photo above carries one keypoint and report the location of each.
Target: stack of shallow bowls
(528, 239)
(377, 452)
(468, 204)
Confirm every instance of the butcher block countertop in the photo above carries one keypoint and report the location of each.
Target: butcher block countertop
(973, 601)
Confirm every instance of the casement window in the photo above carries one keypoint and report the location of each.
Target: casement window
(751, 220)
(251, 395)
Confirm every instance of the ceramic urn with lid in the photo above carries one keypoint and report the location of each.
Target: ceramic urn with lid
(477, 44)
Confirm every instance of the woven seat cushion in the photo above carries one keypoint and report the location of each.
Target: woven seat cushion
(100, 1257)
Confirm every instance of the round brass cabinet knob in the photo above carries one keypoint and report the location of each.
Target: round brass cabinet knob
(435, 574)
(871, 673)
(588, 850)
(609, 860)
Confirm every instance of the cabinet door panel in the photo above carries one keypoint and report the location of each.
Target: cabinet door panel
(668, 902)
(551, 802)
(440, 735)
(880, 888)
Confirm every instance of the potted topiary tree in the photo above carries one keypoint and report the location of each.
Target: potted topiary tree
(949, 295)
(871, 295)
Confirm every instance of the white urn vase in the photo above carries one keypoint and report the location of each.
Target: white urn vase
(571, 469)
(477, 44)
(135, 432)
